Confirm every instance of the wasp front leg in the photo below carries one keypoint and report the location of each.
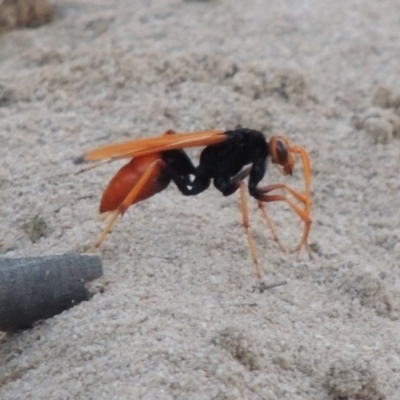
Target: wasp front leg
(263, 196)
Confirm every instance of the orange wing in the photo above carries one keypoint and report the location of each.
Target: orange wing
(167, 141)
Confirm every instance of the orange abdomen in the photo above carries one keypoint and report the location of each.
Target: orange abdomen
(127, 178)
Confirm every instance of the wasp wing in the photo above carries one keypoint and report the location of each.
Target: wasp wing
(168, 141)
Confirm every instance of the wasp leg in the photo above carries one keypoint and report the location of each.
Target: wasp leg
(91, 166)
(306, 168)
(262, 196)
(246, 226)
(129, 200)
(271, 225)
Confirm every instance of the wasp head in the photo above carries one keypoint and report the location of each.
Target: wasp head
(279, 147)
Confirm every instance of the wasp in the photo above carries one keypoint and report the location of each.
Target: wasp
(228, 158)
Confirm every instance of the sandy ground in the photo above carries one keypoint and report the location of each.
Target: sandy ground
(178, 318)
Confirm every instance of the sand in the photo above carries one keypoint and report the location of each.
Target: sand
(177, 317)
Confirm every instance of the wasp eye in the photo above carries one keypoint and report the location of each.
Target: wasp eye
(281, 152)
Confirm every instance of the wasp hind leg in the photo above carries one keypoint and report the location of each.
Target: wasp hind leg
(127, 202)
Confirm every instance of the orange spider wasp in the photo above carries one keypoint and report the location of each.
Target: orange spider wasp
(227, 159)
